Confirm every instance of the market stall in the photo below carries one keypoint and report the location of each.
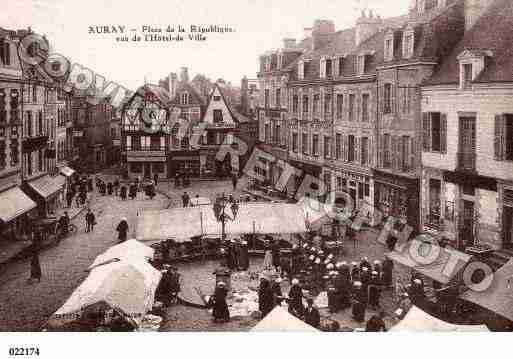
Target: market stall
(280, 320)
(498, 298)
(200, 201)
(416, 320)
(131, 249)
(121, 290)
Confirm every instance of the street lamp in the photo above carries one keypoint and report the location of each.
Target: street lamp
(219, 207)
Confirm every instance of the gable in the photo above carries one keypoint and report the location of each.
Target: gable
(218, 108)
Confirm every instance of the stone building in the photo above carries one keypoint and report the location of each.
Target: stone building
(467, 144)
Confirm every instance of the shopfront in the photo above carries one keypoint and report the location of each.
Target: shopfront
(397, 196)
(47, 192)
(14, 214)
(184, 162)
(358, 185)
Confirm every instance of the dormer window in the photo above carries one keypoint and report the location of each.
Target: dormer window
(326, 67)
(302, 70)
(389, 46)
(268, 63)
(184, 98)
(329, 68)
(280, 60)
(341, 66)
(408, 43)
(5, 53)
(360, 64)
(472, 63)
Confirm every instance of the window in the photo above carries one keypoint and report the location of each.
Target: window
(327, 104)
(351, 107)
(408, 45)
(340, 66)
(145, 142)
(294, 142)
(327, 147)
(29, 163)
(305, 104)
(338, 146)
(360, 64)
(467, 76)
(3, 155)
(315, 145)
(29, 123)
(351, 148)
(277, 135)
(217, 98)
(34, 93)
(40, 122)
(136, 143)
(40, 160)
(218, 116)
(407, 99)
(365, 107)
(5, 52)
(267, 133)
(434, 201)
(306, 68)
(504, 137)
(387, 98)
(434, 130)
(155, 144)
(266, 98)
(405, 153)
(387, 160)
(304, 143)
(340, 105)
(389, 48)
(295, 103)
(136, 167)
(315, 104)
(329, 68)
(278, 98)
(365, 151)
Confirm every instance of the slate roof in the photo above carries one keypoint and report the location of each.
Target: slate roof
(492, 31)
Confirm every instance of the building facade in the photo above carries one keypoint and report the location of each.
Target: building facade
(467, 145)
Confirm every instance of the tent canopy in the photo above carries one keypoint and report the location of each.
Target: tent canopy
(180, 224)
(280, 320)
(448, 264)
(126, 250)
(126, 286)
(200, 201)
(418, 320)
(498, 298)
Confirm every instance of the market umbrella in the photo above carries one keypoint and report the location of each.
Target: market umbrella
(126, 286)
(128, 249)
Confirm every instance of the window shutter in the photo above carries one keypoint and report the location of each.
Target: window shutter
(381, 99)
(499, 138)
(322, 69)
(393, 152)
(371, 151)
(411, 162)
(393, 95)
(335, 66)
(345, 148)
(357, 149)
(426, 132)
(443, 133)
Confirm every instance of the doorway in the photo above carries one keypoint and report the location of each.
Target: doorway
(467, 224)
(507, 225)
(147, 170)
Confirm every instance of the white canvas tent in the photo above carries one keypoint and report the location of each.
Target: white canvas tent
(280, 320)
(126, 250)
(200, 201)
(126, 286)
(498, 298)
(180, 224)
(416, 320)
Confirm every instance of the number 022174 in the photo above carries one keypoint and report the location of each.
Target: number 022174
(23, 351)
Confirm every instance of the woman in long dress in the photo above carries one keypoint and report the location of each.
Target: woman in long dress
(268, 256)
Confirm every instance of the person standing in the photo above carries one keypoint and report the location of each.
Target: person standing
(277, 293)
(122, 229)
(35, 267)
(296, 299)
(359, 303)
(156, 178)
(244, 256)
(109, 188)
(185, 199)
(265, 297)
(268, 256)
(90, 220)
(220, 312)
(312, 315)
(388, 267)
(123, 193)
(116, 186)
(133, 191)
(234, 180)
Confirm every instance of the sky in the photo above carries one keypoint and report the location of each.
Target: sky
(260, 26)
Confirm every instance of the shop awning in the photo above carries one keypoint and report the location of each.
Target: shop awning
(180, 224)
(280, 320)
(14, 203)
(47, 186)
(498, 298)
(66, 171)
(131, 249)
(418, 320)
(446, 265)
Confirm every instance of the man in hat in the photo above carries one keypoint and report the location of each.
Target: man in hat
(417, 292)
(378, 268)
(364, 263)
(276, 253)
(122, 229)
(343, 285)
(185, 199)
(359, 302)
(220, 312)
(295, 262)
(296, 299)
(388, 267)
(365, 278)
(277, 293)
(374, 291)
(355, 272)
(244, 256)
(333, 302)
(312, 315)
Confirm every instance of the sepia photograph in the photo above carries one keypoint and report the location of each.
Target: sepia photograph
(255, 166)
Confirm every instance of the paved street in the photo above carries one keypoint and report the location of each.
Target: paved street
(25, 307)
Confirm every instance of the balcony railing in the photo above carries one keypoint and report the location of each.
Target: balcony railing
(466, 161)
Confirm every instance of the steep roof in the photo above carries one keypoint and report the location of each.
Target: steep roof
(223, 97)
(194, 99)
(492, 31)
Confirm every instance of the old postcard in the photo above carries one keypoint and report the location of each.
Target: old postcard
(294, 166)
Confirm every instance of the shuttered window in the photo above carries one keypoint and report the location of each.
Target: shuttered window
(503, 142)
(338, 146)
(340, 106)
(434, 132)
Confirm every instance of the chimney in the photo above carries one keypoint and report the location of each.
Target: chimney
(173, 84)
(474, 9)
(367, 26)
(244, 105)
(321, 33)
(289, 43)
(184, 74)
(307, 32)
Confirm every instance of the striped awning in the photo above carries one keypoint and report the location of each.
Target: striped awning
(14, 203)
(47, 186)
